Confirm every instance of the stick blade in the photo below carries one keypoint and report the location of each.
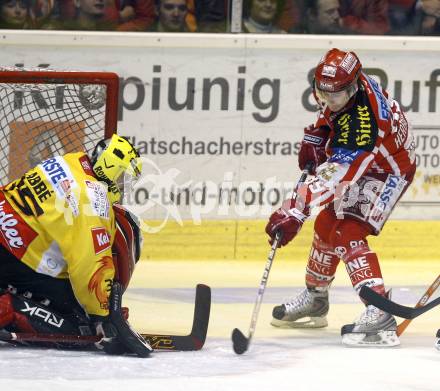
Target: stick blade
(239, 342)
(393, 308)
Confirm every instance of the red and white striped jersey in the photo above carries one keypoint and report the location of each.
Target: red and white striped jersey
(371, 135)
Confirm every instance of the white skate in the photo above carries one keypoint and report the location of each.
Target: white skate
(373, 328)
(307, 310)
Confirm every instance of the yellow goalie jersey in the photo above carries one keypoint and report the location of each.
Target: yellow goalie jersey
(58, 220)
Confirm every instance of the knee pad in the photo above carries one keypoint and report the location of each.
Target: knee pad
(349, 237)
(325, 223)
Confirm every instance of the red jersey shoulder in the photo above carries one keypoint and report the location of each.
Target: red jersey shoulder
(378, 99)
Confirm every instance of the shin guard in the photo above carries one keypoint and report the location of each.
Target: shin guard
(321, 266)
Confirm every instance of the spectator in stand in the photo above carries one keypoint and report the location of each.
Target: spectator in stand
(261, 16)
(401, 15)
(210, 15)
(291, 16)
(321, 17)
(91, 15)
(45, 15)
(427, 17)
(14, 14)
(171, 15)
(135, 15)
(365, 16)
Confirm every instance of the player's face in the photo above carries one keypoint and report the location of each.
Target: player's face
(13, 12)
(263, 11)
(172, 14)
(336, 101)
(328, 13)
(92, 7)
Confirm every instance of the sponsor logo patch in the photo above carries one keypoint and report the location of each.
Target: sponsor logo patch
(380, 99)
(99, 203)
(326, 86)
(15, 234)
(44, 314)
(7, 228)
(85, 164)
(62, 180)
(316, 140)
(328, 70)
(101, 239)
(348, 63)
(342, 155)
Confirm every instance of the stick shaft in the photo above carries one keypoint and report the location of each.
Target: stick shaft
(263, 284)
(429, 292)
(268, 266)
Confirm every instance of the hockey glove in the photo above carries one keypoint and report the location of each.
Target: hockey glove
(286, 219)
(313, 148)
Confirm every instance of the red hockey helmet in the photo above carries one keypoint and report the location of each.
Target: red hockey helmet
(336, 78)
(127, 245)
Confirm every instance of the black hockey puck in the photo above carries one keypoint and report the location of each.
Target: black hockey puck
(239, 342)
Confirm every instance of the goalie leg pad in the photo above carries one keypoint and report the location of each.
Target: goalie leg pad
(10, 318)
(20, 314)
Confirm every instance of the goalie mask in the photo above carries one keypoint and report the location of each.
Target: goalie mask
(116, 162)
(127, 245)
(336, 78)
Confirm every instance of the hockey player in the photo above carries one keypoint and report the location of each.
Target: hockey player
(363, 157)
(65, 240)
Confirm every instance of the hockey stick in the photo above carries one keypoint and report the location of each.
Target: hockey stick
(239, 342)
(196, 338)
(423, 300)
(393, 308)
(193, 341)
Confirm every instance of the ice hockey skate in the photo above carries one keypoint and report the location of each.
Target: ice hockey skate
(373, 328)
(307, 310)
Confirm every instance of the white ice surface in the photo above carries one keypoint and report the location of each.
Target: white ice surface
(287, 360)
(299, 363)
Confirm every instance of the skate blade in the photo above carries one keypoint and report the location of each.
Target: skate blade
(381, 339)
(303, 323)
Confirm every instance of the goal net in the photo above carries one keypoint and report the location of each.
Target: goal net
(45, 113)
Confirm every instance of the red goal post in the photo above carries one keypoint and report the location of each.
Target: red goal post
(47, 112)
